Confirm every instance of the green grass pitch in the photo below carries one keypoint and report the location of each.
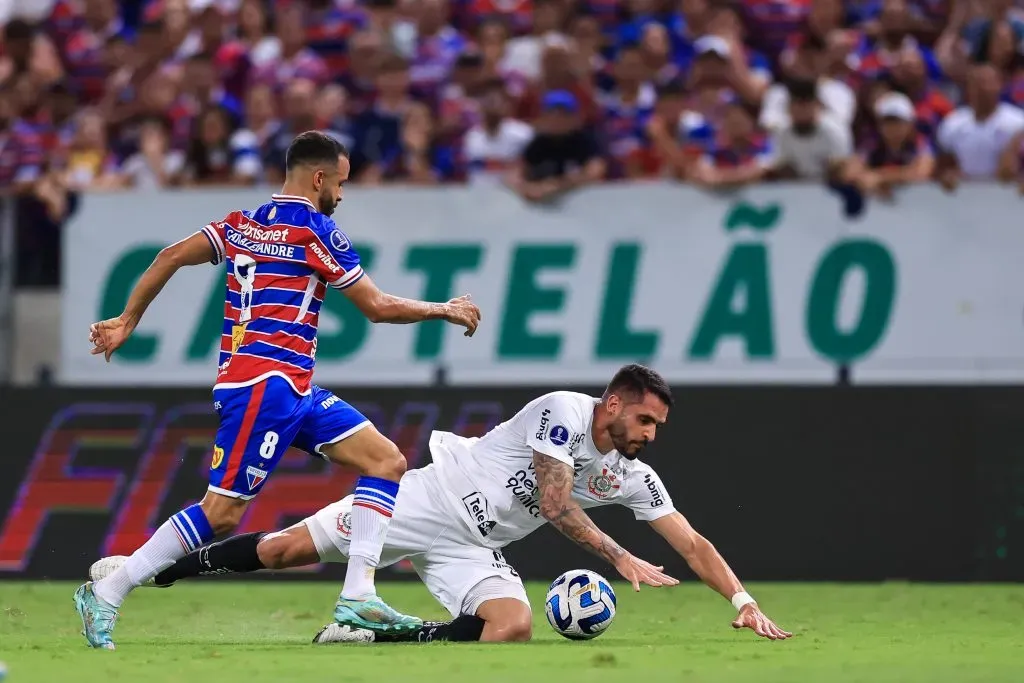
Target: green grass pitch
(226, 632)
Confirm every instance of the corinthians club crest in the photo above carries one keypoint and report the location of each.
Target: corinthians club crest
(603, 484)
(345, 524)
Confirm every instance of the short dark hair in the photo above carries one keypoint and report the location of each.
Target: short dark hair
(314, 148)
(636, 380)
(670, 88)
(18, 29)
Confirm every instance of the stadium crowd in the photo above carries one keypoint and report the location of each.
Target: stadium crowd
(543, 95)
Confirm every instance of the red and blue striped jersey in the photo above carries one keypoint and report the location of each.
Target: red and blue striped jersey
(281, 258)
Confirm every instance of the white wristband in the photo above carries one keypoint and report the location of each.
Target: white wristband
(741, 600)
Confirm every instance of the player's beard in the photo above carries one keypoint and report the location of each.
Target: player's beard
(620, 439)
(327, 205)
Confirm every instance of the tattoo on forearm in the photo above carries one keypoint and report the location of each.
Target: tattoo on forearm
(554, 479)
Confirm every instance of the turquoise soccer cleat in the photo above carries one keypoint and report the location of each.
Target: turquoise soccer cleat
(98, 618)
(373, 614)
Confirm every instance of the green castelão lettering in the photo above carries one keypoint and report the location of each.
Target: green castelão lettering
(744, 274)
(354, 326)
(758, 219)
(440, 265)
(525, 297)
(123, 276)
(614, 338)
(824, 300)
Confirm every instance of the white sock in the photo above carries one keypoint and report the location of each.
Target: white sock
(372, 508)
(178, 536)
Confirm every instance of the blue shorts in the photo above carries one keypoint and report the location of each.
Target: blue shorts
(259, 423)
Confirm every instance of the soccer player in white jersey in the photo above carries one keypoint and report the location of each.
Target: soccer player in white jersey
(562, 453)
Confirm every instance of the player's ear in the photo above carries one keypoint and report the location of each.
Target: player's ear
(318, 179)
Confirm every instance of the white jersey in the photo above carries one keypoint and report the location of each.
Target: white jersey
(490, 482)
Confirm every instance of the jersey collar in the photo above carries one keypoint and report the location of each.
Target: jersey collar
(291, 199)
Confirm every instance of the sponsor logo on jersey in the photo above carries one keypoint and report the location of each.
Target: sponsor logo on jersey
(329, 402)
(217, 406)
(601, 485)
(559, 435)
(262, 235)
(524, 490)
(339, 241)
(218, 457)
(477, 508)
(325, 258)
(574, 445)
(345, 524)
(657, 500)
(255, 476)
(542, 430)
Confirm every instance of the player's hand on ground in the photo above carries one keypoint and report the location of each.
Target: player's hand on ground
(753, 618)
(638, 571)
(107, 336)
(462, 311)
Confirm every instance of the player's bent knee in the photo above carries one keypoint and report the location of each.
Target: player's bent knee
(512, 629)
(222, 512)
(293, 547)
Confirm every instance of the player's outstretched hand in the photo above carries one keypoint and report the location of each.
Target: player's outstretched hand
(462, 311)
(753, 618)
(107, 336)
(638, 571)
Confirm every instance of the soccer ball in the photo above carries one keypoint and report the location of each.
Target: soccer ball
(580, 604)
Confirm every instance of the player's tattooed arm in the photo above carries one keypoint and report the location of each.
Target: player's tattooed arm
(554, 481)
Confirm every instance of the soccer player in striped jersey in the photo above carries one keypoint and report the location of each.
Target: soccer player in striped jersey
(280, 260)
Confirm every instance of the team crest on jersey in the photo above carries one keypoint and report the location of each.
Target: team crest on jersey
(603, 484)
(237, 335)
(345, 524)
(255, 476)
(272, 213)
(218, 457)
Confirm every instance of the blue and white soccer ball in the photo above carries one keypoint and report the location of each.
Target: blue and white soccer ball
(580, 604)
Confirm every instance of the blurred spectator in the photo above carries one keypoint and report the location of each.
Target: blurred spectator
(625, 111)
(740, 154)
(299, 116)
(656, 50)
(493, 146)
(562, 156)
(811, 62)
(523, 55)
(376, 133)
(155, 165)
(90, 163)
(329, 25)
(811, 145)
(83, 48)
(17, 49)
(909, 75)
(558, 72)
(438, 45)
(292, 58)
(210, 159)
(771, 22)
(365, 57)
(667, 132)
(901, 153)
(974, 137)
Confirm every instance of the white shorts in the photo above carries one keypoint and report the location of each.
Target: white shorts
(457, 571)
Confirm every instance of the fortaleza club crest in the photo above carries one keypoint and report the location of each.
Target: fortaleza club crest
(603, 484)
